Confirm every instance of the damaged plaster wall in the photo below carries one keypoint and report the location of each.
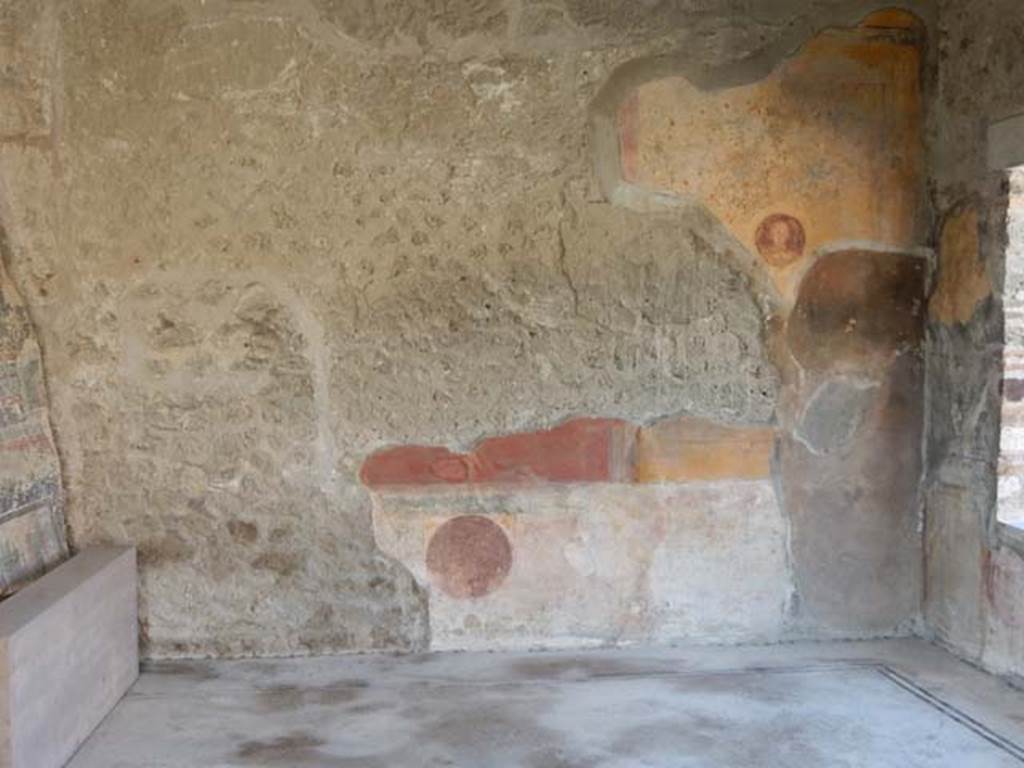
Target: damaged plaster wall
(974, 575)
(266, 241)
(816, 167)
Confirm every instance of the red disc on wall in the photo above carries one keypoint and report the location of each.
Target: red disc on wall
(780, 239)
(469, 556)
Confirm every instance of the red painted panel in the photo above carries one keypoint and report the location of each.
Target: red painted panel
(579, 451)
(414, 465)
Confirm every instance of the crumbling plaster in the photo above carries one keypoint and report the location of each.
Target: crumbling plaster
(263, 240)
(974, 576)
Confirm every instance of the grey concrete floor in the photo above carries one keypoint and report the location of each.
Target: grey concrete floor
(899, 703)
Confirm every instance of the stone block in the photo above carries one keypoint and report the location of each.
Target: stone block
(68, 653)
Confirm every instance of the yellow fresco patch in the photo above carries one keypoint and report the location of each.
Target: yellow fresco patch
(892, 18)
(964, 281)
(694, 449)
(832, 138)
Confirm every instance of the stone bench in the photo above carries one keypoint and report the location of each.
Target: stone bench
(68, 653)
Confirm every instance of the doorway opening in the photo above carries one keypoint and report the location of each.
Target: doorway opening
(1011, 438)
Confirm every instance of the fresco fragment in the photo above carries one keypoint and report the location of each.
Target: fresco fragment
(469, 556)
(963, 279)
(830, 140)
(693, 449)
(32, 533)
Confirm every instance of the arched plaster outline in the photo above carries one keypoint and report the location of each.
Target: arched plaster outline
(331, 482)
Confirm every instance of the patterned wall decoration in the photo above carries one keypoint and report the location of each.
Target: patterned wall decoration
(32, 531)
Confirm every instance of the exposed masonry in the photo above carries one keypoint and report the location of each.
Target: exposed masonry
(266, 248)
(974, 572)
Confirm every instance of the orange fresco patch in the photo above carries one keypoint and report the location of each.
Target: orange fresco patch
(963, 279)
(832, 139)
(693, 449)
(892, 18)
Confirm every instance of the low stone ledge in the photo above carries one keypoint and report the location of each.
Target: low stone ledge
(68, 653)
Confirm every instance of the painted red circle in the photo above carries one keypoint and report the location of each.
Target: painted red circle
(780, 239)
(469, 556)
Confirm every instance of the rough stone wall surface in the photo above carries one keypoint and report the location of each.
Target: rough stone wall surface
(973, 572)
(265, 241)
